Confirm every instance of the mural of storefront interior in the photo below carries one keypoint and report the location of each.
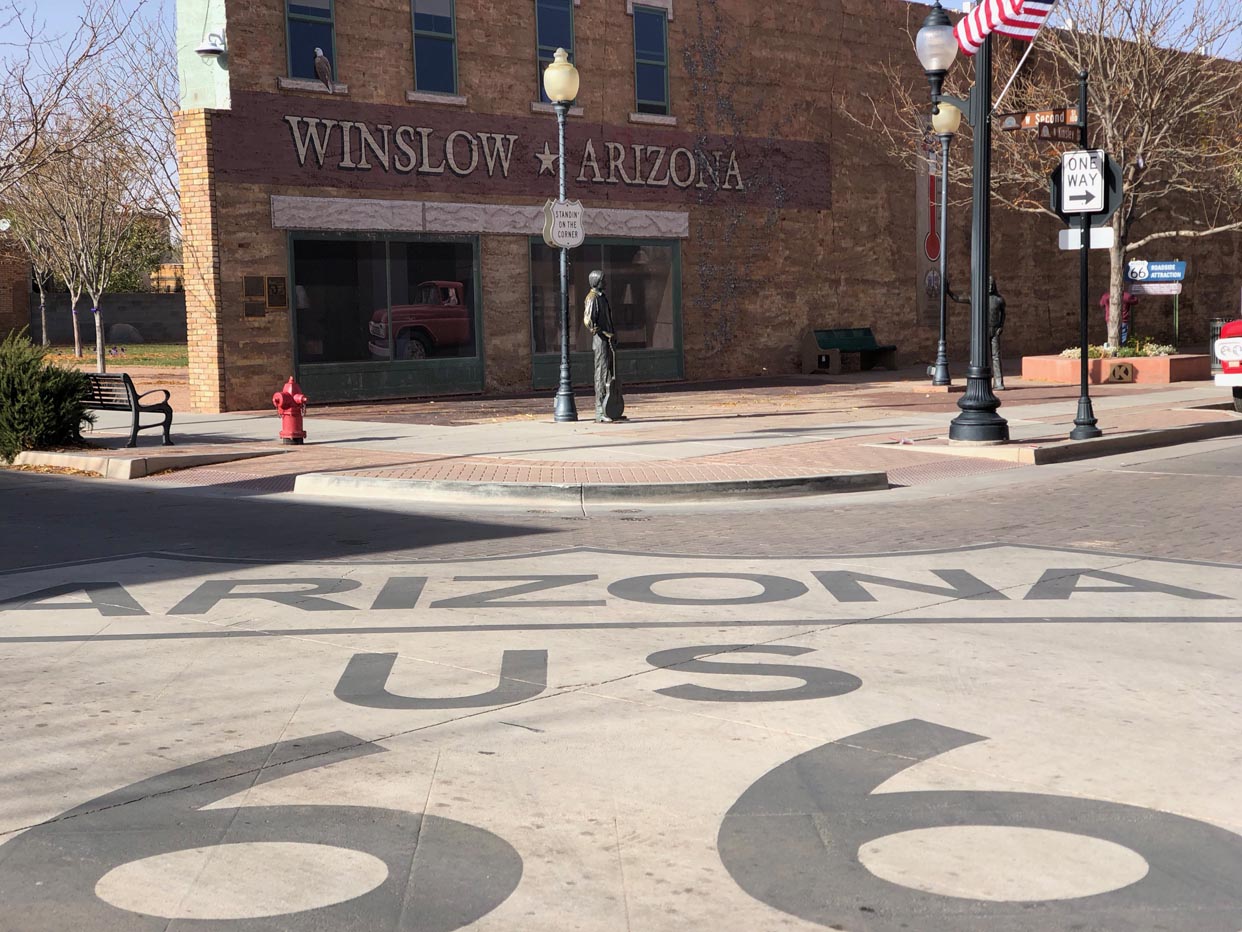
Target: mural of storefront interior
(399, 315)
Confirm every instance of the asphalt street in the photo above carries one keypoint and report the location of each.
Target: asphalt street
(1007, 701)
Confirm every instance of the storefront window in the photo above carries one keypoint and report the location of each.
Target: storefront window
(639, 277)
(433, 300)
(340, 284)
(346, 312)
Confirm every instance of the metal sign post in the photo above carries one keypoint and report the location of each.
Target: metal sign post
(1085, 425)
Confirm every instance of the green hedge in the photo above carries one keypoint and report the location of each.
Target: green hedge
(40, 403)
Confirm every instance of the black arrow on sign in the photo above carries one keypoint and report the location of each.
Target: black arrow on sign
(1085, 197)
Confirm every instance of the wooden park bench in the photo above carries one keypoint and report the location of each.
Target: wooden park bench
(107, 392)
(822, 349)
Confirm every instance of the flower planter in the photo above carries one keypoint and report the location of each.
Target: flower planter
(1149, 369)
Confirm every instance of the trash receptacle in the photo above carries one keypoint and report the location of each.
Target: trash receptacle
(1214, 325)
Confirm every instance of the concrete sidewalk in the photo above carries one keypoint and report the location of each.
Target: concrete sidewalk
(743, 439)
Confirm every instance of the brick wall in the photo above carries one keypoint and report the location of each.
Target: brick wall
(201, 252)
(753, 277)
(14, 289)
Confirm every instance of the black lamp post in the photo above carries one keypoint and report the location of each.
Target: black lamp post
(560, 83)
(945, 122)
(936, 48)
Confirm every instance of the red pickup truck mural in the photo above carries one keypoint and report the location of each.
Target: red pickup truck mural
(438, 320)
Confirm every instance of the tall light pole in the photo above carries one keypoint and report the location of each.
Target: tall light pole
(936, 48)
(945, 122)
(560, 83)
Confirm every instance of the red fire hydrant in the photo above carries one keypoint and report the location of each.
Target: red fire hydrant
(291, 404)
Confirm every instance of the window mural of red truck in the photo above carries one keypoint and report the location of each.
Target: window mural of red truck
(437, 321)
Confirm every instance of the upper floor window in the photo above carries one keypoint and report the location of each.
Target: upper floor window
(435, 47)
(651, 59)
(554, 29)
(310, 28)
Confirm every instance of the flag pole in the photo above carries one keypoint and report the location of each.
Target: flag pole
(1022, 61)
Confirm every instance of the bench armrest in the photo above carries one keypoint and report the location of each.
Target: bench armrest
(154, 391)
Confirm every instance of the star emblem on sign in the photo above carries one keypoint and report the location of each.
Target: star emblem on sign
(547, 160)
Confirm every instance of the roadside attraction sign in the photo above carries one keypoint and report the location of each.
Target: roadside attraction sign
(1141, 270)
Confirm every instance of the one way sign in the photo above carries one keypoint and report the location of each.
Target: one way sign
(1082, 181)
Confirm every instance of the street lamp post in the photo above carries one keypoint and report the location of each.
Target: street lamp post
(560, 83)
(945, 122)
(936, 48)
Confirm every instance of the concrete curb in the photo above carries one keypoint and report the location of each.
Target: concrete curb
(1066, 451)
(575, 493)
(126, 467)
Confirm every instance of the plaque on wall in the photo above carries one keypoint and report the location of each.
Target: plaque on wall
(254, 309)
(252, 287)
(277, 293)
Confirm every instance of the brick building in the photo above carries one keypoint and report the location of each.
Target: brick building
(381, 237)
(15, 281)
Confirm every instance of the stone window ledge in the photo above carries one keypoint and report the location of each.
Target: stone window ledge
(539, 106)
(427, 97)
(317, 87)
(655, 119)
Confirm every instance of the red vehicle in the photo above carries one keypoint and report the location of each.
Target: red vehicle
(1229, 352)
(437, 319)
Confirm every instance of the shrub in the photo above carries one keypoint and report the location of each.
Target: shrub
(40, 403)
(1135, 346)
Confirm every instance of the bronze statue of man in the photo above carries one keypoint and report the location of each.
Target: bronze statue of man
(996, 324)
(597, 316)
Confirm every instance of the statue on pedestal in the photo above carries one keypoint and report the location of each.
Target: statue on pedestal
(597, 317)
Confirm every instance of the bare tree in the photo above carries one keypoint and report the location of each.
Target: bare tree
(1166, 103)
(145, 65)
(45, 202)
(41, 75)
(29, 230)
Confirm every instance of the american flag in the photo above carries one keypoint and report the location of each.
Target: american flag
(1020, 19)
(1030, 17)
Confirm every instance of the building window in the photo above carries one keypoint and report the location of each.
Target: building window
(554, 29)
(435, 47)
(651, 59)
(310, 28)
(383, 300)
(640, 278)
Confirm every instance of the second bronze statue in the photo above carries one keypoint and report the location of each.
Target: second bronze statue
(597, 317)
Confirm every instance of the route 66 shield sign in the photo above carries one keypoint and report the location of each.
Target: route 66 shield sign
(563, 224)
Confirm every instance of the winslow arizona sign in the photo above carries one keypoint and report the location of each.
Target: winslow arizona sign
(277, 139)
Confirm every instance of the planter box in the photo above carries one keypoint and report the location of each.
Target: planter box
(1148, 369)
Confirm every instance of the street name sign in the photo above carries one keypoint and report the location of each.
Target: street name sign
(563, 225)
(1031, 119)
(1082, 181)
(1058, 132)
(1101, 238)
(1154, 287)
(1141, 270)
